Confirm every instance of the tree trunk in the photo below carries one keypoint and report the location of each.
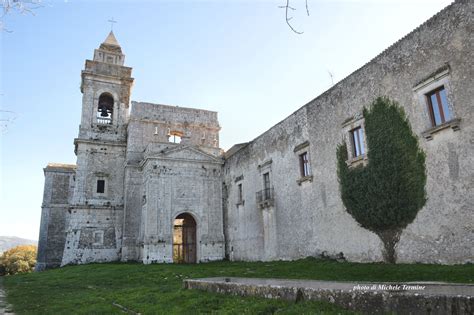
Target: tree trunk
(390, 239)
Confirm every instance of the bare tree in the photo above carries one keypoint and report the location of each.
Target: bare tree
(288, 18)
(7, 117)
(18, 6)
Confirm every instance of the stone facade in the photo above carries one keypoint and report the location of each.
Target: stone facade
(254, 202)
(308, 217)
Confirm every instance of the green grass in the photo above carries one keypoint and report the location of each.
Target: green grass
(157, 289)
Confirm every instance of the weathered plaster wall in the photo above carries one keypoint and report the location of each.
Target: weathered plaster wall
(99, 160)
(153, 123)
(182, 180)
(310, 218)
(81, 245)
(133, 196)
(165, 179)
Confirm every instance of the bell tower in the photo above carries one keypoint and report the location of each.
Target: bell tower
(106, 85)
(100, 146)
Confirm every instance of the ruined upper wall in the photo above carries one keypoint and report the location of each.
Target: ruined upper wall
(160, 123)
(174, 114)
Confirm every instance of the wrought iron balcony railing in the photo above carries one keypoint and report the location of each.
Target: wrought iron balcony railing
(265, 197)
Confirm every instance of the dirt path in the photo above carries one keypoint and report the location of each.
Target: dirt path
(4, 307)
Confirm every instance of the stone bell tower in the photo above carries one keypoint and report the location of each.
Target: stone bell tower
(106, 85)
(100, 147)
(94, 230)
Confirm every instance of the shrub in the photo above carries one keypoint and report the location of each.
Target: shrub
(19, 259)
(386, 195)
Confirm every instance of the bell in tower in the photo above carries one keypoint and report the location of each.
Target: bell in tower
(105, 108)
(106, 86)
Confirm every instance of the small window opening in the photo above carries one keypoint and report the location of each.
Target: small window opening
(304, 164)
(105, 109)
(98, 237)
(174, 137)
(239, 192)
(357, 136)
(100, 186)
(438, 106)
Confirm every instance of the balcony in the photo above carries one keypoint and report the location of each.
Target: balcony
(265, 198)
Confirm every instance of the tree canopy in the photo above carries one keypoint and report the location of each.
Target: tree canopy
(385, 195)
(19, 259)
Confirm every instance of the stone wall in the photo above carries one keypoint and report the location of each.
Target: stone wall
(308, 217)
(165, 179)
(93, 234)
(58, 190)
(149, 181)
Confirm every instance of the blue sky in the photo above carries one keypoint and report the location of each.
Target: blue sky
(235, 57)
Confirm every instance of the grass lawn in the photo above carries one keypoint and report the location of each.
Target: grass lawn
(157, 288)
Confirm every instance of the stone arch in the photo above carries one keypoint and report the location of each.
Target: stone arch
(104, 91)
(185, 238)
(105, 108)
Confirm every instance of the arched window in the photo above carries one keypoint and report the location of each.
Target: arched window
(105, 109)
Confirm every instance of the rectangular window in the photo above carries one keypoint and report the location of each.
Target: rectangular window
(266, 186)
(98, 237)
(239, 192)
(438, 106)
(357, 136)
(304, 164)
(100, 186)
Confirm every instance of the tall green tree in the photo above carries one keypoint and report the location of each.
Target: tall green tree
(385, 195)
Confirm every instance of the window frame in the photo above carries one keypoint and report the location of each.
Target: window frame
(441, 108)
(358, 149)
(98, 182)
(93, 188)
(349, 125)
(100, 234)
(437, 80)
(175, 136)
(267, 195)
(240, 196)
(266, 180)
(305, 169)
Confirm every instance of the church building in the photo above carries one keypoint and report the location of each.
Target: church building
(151, 183)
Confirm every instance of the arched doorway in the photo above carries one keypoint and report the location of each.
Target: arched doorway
(184, 239)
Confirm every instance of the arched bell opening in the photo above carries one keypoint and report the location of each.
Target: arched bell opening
(105, 109)
(184, 239)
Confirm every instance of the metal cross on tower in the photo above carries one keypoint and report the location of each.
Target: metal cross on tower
(112, 21)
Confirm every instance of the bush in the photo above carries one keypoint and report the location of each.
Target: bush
(20, 259)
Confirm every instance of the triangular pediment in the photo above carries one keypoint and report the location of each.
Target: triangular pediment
(184, 152)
